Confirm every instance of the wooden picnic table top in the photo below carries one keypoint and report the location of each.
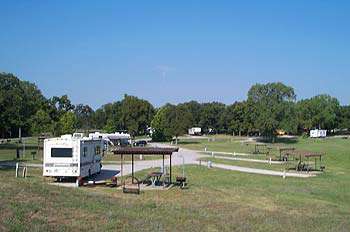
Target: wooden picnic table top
(155, 174)
(307, 154)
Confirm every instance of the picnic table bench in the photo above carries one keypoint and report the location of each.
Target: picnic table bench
(131, 185)
(285, 153)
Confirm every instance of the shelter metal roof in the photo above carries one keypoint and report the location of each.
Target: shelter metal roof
(145, 151)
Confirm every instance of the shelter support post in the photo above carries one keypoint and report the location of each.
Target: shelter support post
(170, 170)
(132, 168)
(121, 164)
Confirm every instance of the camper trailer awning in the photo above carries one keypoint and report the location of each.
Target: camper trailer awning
(145, 151)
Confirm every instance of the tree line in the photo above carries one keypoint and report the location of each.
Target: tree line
(268, 108)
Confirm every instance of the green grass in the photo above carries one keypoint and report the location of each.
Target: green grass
(8, 150)
(217, 200)
(221, 144)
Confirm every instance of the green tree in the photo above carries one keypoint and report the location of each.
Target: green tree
(136, 115)
(170, 121)
(210, 116)
(19, 101)
(41, 122)
(67, 123)
(270, 106)
(84, 114)
(344, 117)
(194, 108)
(99, 119)
(235, 119)
(319, 112)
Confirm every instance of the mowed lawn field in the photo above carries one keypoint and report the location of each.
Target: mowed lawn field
(216, 200)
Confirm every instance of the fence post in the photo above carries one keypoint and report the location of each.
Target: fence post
(209, 164)
(24, 148)
(24, 174)
(17, 167)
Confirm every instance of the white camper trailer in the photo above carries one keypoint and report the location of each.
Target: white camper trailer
(195, 131)
(318, 133)
(72, 156)
(115, 139)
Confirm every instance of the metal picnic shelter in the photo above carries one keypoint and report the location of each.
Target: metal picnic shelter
(161, 151)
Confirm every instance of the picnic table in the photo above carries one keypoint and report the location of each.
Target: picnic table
(155, 177)
(304, 160)
(261, 149)
(285, 152)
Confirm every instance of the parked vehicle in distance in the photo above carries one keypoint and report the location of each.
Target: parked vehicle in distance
(318, 133)
(140, 143)
(195, 131)
(72, 156)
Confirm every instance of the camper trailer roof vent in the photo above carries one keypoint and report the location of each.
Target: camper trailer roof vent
(78, 135)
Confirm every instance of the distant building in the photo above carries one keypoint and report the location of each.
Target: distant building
(195, 131)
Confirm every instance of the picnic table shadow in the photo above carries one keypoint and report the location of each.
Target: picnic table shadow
(279, 140)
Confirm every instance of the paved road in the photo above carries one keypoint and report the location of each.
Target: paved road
(247, 160)
(261, 171)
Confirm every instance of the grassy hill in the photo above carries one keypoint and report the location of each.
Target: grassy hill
(217, 200)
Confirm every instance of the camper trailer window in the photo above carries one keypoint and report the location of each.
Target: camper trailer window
(61, 152)
(85, 151)
(98, 150)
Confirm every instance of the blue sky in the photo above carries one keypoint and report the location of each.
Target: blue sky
(175, 51)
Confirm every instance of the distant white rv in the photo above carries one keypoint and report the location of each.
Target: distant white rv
(114, 139)
(195, 131)
(72, 156)
(318, 133)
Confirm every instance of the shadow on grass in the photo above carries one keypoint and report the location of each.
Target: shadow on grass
(293, 140)
(7, 167)
(187, 142)
(10, 146)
